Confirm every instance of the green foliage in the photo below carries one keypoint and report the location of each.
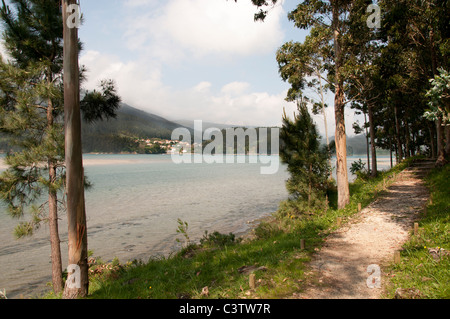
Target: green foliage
(358, 166)
(120, 134)
(98, 106)
(306, 161)
(32, 106)
(33, 32)
(25, 124)
(439, 97)
(183, 230)
(217, 239)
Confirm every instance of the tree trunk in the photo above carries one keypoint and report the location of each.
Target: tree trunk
(390, 152)
(341, 138)
(76, 212)
(309, 186)
(397, 135)
(440, 143)
(439, 127)
(55, 242)
(367, 144)
(372, 142)
(432, 139)
(407, 140)
(324, 118)
(447, 141)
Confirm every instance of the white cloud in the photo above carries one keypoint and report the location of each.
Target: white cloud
(139, 3)
(203, 87)
(196, 28)
(235, 88)
(177, 32)
(141, 86)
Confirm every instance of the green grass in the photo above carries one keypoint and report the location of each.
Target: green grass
(275, 246)
(418, 270)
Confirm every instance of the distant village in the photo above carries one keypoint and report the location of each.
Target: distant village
(162, 146)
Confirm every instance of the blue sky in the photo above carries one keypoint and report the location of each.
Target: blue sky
(192, 59)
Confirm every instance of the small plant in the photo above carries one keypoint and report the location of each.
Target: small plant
(359, 169)
(217, 239)
(358, 166)
(183, 229)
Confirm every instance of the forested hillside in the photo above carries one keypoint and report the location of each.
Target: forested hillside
(120, 134)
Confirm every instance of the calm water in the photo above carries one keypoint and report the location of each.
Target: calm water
(133, 208)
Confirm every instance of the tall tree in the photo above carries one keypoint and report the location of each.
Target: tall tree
(302, 65)
(439, 104)
(361, 69)
(328, 18)
(31, 116)
(32, 39)
(76, 210)
(417, 36)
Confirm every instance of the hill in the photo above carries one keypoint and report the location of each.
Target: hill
(207, 125)
(120, 134)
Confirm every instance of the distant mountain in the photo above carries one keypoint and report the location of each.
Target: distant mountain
(207, 125)
(356, 145)
(120, 134)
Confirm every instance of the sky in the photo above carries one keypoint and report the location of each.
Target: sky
(193, 59)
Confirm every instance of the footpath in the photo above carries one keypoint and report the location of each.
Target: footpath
(368, 241)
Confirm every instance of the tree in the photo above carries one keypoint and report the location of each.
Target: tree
(327, 18)
(439, 105)
(31, 96)
(417, 43)
(301, 65)
(361, 70)
(35, 47)
(358, 130)
(307, 162)
(76, 210)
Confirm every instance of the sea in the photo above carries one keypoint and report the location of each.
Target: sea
(133, 207)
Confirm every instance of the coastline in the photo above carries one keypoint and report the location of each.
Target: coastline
(244, 230)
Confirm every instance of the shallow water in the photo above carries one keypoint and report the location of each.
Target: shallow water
(133, 207)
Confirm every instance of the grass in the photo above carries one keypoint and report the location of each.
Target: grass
(275, 250)
(424, 276)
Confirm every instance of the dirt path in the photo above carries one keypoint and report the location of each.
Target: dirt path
(339, 270)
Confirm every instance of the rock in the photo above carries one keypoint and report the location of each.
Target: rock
(438, 253)
(205, 292)
(249, 269)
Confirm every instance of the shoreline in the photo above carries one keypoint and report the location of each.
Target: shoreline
(244, 230)
(381, 159)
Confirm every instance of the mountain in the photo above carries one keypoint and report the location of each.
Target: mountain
(207, 125)
(356, 145)
(120, 134)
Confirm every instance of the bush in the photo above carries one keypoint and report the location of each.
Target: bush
(217, 239)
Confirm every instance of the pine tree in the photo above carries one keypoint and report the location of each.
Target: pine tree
(34, 102)
(31, 116)
(307, 162)
(327, 21)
